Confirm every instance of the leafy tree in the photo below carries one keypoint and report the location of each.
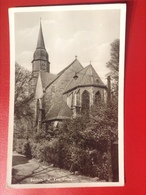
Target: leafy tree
(83, 147)
(23, 112)
(112, 106)
(113, 64)
(23, 91)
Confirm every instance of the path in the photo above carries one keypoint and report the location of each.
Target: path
(34, 172)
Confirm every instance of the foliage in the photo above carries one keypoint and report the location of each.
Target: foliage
(23, 92)
(111, 114)
(80, 144)
(27, 149)
(22, 146)
(82, 150)
(23, 112)
(113, 64)
(18, 145)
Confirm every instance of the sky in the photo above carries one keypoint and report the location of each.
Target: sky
(85, 33)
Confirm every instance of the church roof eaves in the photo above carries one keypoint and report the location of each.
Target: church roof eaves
(58, 118)
(90, 85)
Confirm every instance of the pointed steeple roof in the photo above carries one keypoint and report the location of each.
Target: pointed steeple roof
(40, 52)
(41, 43)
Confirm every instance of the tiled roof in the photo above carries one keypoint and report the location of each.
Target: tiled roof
(86, 77)
(47, 78)
(58, 111)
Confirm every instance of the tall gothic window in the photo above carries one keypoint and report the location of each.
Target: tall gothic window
(77, 98)
(85, 102)
(97, 98)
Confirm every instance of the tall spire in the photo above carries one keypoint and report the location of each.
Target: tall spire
(40, 43)
(40, 57)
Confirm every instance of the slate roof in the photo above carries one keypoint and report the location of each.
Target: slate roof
(47, 78)
(86, 77)
(58, 111)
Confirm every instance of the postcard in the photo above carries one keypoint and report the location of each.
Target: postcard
(66, 111)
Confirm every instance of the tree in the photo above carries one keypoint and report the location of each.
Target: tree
(105, 121)
(22, 103)
(113, 65)
(112, 107)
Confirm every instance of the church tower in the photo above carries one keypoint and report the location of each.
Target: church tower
(40, 58)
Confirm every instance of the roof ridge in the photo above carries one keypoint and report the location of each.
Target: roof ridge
(68, 66)
(94, 72)
(86, 68)
(91, 72)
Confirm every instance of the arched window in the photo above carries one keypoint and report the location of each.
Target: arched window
(77, 98)
(85, 102)
(97, 98)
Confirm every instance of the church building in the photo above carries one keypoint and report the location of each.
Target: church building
(72, 92)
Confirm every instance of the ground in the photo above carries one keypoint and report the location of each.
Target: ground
(30, 171)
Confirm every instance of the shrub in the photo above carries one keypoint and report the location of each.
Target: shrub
(18, 145)
(22, 146)
(46, 151)
(75, 145)
(26, 149)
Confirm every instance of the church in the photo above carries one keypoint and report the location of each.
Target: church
(71, 92)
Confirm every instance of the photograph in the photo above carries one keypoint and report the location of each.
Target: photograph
(66, 113)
